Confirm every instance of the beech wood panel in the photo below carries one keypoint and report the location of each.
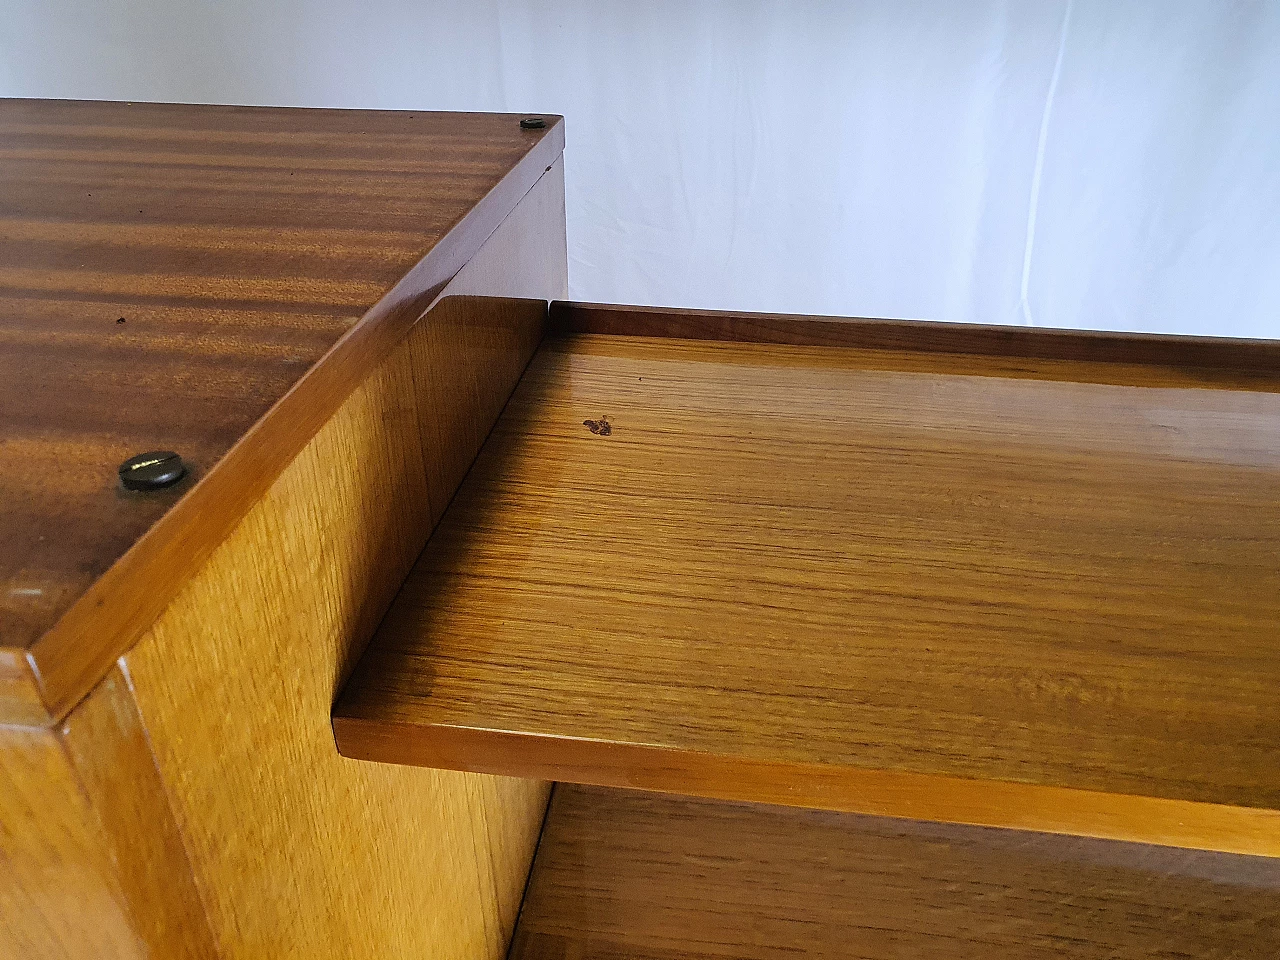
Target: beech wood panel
(214, 280)
(296, 851)
(810, 576)
(621, 874)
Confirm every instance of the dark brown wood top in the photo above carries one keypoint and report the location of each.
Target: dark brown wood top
(168, 274)
(1040, 594)
(622, 874)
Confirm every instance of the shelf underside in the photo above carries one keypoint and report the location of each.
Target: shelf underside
(1034, 594)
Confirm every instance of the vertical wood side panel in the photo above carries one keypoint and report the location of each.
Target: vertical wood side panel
(296, 850)
(58, 891)
(111, 756)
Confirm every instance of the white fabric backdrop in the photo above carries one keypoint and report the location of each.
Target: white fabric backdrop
(1093, 163)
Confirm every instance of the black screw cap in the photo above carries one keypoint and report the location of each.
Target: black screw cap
(152, 471)
(532, 123)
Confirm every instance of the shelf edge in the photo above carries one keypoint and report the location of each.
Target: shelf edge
(1033, 807)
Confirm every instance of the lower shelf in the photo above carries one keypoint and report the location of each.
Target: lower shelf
(624, 874)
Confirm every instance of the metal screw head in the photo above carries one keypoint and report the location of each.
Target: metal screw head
(532, 123)
(152, 471)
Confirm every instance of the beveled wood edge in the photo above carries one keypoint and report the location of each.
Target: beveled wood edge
(915, 796)
(107, 619)
(20, 702)
(107, 745)
(1256, 357)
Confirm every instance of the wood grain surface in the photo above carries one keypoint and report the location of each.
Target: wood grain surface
(809, 576)
(1217, 360)
(111, 756)
(59, 895)
(622, 874)
(212, 280)
(296, 851)
(20, 701)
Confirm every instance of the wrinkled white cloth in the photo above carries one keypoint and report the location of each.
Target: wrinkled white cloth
(1060, 162)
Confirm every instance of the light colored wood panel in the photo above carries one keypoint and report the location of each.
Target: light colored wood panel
(109, 751)
(58, 894)
(622, 874)
(20, 702)
(298, 852)
(801, 575)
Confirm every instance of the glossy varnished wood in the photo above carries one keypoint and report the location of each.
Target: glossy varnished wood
(866, 580)
(215, 280)
(295, 850)
(622, 874)
(1220, 360)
